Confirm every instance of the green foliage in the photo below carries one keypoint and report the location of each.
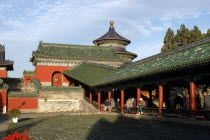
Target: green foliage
(14, 113)
(185, 91)
(207, 34)
(169, 41)
(200, 88)
(3, 85)
(195, 34)
(183, 36)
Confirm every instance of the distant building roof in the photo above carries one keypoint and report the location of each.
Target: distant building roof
(112, 35)
(5, 63)
(80, 52)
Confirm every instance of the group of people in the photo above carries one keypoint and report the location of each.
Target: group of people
(109, 104)
(130, 103)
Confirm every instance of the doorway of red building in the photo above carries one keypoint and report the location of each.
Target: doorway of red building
(57, 79)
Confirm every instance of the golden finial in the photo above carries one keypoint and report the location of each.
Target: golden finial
(111, 23)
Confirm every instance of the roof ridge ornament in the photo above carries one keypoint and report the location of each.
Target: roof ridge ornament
(111, 23)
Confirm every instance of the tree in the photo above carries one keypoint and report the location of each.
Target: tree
(182, 35)
(169, 41)
(195, 34)
(207, 34)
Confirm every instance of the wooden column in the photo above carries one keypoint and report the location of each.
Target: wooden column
(192, 98)
(160, 99)
(138, 96)
(99, 101)
(122, 100)
(84, 93)
(109, 95)
(91, 97)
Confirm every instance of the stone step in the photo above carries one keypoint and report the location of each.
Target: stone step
(85, 106)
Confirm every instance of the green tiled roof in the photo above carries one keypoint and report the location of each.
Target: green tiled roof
(76, 52)
(22, 94)
(28, 72)
(89, 74)
(178, 60)
(190, 55)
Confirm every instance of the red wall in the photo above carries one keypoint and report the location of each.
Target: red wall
(22, 103)
(3, 73)
(3, 98)
(44, 73)
(28, 78)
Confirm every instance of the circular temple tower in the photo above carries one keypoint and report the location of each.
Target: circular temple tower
(116, 41)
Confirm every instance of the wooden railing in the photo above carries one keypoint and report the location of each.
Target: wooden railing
(202, 114)
(149, 111)
(180, 113)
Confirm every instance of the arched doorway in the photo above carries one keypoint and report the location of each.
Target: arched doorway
(57, 79)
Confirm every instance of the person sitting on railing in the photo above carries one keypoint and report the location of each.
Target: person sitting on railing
(128, 102)
(206, 101)
(107, 105)
(141, 104)
(117, 104)
(112, 104)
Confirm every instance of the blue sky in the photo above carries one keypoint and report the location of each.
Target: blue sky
(23, 23)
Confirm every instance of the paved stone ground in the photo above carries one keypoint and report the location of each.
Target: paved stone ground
(108, 126)
(4, 122)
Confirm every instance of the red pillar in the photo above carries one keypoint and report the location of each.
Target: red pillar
(84, 93)
(91, 98)
(192, 97)
(138, 96)
(3, 100)
(109, 95)
(160, 103)
(122, 100)
(99, 101)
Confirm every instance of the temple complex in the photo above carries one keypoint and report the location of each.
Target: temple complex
(50, 59)
(78, 77)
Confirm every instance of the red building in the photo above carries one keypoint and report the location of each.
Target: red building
(50, 59)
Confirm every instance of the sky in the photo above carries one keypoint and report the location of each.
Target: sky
(23, 23)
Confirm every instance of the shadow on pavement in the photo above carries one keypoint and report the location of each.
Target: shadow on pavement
(125, 128)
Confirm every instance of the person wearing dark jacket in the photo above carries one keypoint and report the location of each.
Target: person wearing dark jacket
(117, 104)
